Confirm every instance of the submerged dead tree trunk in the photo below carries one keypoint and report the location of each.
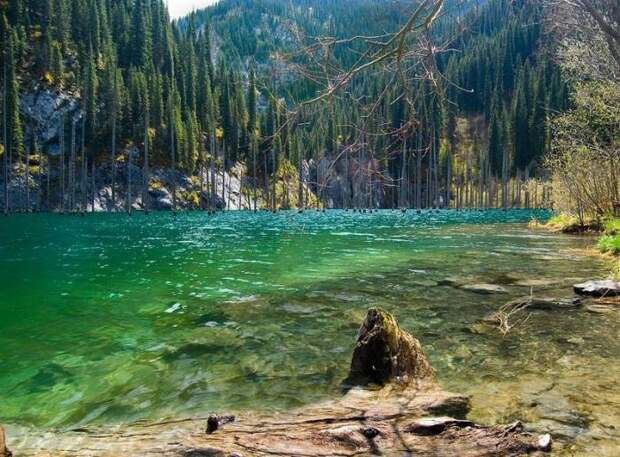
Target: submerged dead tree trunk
(62, 164)
(113, 158)
(84, 180)
(146, 172)
(5, 143)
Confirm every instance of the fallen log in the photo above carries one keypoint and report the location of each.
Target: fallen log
(404, 411)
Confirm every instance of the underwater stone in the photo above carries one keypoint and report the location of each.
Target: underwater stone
(604, 288)
(385, 353)
(483, 288)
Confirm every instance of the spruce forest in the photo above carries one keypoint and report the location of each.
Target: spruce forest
(215, 96)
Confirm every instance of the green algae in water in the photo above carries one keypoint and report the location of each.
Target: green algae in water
(114, 319)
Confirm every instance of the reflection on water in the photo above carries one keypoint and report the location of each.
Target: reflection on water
(109, 318)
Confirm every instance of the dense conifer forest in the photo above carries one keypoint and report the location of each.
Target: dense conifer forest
(211, 91)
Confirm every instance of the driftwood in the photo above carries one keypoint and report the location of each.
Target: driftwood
(415, 417)
(512, 315)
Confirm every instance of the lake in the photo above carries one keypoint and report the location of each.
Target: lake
(108, 318)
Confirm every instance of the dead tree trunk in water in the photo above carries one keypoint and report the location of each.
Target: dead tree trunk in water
(72, 169)
(275, 178)
(418, 175)
(201, 171)
(448, 179)
(300, 199)
(128, 196)
(114, 114)
(93, 184)
(403, 177)
(5, 145)
(173, 161)
(527, 190)
(254, 174)
(266, 181)
(84, 179)
(213, 172)
(225, 203)
(62, 164)
(505, 180)
(27, 177)
(145, 173)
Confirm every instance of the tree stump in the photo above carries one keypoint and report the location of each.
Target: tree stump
(384, 353)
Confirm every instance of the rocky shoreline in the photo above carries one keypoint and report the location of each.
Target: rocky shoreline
(393, 403)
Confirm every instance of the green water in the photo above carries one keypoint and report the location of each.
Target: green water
(108, 318)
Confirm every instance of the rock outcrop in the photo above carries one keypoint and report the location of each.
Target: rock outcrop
(43, 112)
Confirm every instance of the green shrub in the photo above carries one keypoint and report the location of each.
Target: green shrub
(609, 243)
(612, 227)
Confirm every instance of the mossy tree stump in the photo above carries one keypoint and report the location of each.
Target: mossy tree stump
(384, 353)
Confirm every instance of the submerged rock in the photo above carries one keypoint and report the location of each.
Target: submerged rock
(484, 288)
(550, 304)
(602, 288)
(385, 353)
(600, 309)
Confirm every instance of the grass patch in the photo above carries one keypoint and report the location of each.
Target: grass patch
(567, 223)
(609, 243)
(612, 226)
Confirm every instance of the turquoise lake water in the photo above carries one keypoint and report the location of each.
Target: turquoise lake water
(108, 318)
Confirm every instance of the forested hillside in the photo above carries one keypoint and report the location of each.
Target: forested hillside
(124, 91)
(501, 85)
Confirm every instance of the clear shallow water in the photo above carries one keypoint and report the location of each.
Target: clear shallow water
(108, 318)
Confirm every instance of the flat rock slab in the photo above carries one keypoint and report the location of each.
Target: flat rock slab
(484, 288)
(602, 288)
